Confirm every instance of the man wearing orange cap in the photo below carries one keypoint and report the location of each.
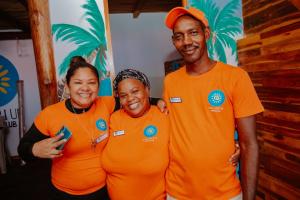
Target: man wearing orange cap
(207, 100)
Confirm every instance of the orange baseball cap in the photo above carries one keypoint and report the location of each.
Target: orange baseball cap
(177, 12)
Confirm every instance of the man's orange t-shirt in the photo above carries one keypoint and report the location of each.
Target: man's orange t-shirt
(136, 156)
(203, 109)
(79, 170)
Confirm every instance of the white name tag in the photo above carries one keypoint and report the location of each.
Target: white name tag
(101, 137)
(118, 133)
(175, 100)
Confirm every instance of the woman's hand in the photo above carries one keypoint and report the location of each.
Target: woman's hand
(47, 148)
(162, 106)
(234, 159)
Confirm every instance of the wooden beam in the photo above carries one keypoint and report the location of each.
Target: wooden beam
(15, 23)
(137, 8)
(43, 50)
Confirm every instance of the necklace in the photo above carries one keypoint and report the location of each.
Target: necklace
(91, 135)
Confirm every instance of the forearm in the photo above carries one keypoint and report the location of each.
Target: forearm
(249, 169)
(249, 156)
(30, 138)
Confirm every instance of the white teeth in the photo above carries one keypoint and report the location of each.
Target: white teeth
(189, 51)
(84, 95)
(133, 106)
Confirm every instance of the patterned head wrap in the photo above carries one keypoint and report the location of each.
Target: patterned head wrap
(130, 73)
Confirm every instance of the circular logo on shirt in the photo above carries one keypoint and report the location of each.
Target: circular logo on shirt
(150, 131)
(216, 98)
(101, 125)
(8, 79)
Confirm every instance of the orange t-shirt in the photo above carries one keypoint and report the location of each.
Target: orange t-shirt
(136, 156)
(79, 170)
(202, 116)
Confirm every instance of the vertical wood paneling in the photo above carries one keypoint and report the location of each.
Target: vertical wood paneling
(270, 52)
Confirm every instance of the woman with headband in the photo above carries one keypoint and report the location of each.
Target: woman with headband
(136, 155)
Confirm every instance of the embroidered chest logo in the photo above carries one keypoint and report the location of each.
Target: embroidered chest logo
(150, 132)
(216, 99)
(101, 125)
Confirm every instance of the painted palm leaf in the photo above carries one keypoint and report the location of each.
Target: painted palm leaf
(83, 50)
(226, 34)
(219, 48)
(71, 33)
(211, 11)
(100, 61)
(208, 7)
(90, 42)
(224, 25)
(95, 19)
(227, 15)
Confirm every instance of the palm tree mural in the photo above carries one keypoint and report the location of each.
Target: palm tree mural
(91, 42)
(225, 26)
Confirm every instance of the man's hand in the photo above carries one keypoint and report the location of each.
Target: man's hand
(162, 106)
(234, 158)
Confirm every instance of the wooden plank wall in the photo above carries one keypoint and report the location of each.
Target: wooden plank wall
(270, 52)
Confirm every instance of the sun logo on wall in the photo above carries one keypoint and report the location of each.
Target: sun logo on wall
(8, 81)
(3, 80)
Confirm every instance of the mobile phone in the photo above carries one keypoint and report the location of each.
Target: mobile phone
(67, 135)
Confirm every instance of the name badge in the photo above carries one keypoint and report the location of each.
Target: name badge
(101, 138)
(118, 133)
(175, 100)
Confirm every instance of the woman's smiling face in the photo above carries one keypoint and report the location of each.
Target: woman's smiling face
(83, 88)
(134, 97)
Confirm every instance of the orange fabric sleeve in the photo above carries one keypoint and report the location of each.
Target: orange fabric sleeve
(245, 100)
(41, 122)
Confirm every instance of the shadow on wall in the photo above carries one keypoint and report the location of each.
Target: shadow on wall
(156, 86)
(173, 54)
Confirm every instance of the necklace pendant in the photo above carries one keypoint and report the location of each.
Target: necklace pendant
(93, 145)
